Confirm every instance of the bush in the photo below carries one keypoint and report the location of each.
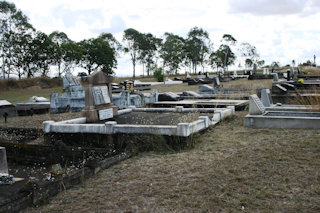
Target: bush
(158, 74)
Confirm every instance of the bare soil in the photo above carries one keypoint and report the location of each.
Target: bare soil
(231, 169)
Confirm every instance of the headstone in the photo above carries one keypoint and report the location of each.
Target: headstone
(69, 80)
(265, 71)
(3, 161)
(216, 82)
(275, 77)
(266, 97)
(255, 105)
(72, 99)
(206, 88)
(98, 98)
(187, 75)
(299, 70)
(7, 108)
(168, 96)
(288, 75)
(293, 73)
(254, 69)
(191, 93)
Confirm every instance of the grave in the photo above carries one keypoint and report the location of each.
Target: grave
(203, 103)
(173, 122)
(138, 99)
(268, 104)
(5, 178)
(168, 96)
(260, 117)
(36, 105)
(7, 109)
(98, 98)
(72, 99)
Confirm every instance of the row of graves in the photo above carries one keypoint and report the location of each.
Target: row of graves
(39, 163)
(113, 127)
(293, 102)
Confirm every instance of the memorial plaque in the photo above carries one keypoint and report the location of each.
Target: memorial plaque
(101, 95)
(105, 114)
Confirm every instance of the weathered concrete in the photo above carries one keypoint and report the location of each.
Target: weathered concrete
(111, 127)
(258, 117)
(215, 103)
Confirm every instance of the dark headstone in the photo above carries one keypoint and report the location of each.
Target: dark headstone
(168, 96)
(254, 69)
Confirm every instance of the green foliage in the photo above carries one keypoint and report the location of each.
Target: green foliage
(172, 52)
(98, 55)
(197, 46)
(275, 64)
(219, 58)
(158, 73)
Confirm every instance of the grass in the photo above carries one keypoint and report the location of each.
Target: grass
(23, 95)
(232, 168)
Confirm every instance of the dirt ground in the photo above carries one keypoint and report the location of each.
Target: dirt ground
(231, 169)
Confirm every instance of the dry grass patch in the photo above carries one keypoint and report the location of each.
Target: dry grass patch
(232, 168)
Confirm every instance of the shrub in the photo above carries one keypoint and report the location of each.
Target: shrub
(158, 74)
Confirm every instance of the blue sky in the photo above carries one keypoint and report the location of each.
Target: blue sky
(282, 30)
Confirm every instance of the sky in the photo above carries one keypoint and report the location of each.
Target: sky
(281, 30)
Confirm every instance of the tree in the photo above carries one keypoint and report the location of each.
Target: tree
(172, 52)
(275, 64)
(249, 51)
(260, 63)
(219, 59)
(148, 46)
(248, 63)
(197, 46)
(60, 41)
(228, 40)
(14, 26)
(132, 39)
(42, 52)
(98, 55)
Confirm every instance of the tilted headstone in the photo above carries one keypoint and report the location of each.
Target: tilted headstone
(69, 80)
(98, 98)
(168, 96)
(254, 69)
(299, 70)
(206, 88)
(72, 98)
(266, 97)
(255, 105)
(191, 93)
(3, 161)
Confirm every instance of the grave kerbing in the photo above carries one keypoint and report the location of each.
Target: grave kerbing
(98, 98)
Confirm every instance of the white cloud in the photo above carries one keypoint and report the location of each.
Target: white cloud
(282, 30)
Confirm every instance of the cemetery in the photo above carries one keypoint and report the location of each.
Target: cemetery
(105, 118)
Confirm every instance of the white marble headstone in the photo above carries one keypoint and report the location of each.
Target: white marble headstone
(101, 95)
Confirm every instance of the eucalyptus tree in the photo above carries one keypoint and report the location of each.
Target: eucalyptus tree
(249, 51)
(13, 24)
(98, 55)
(227, 40)
(61, 43)
(172, 52)
(132, 43)
(219, 59)
(197, 46)
(149, 45)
